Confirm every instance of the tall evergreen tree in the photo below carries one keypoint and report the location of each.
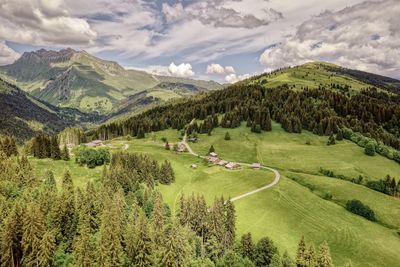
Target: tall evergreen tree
(34, 227)
(47, 249)
(301, 254)
(324, 256)
(247, 246)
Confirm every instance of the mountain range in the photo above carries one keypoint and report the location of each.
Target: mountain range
(76, 79)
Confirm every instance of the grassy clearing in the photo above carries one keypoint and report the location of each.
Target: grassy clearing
(290, 152)
(80, 175)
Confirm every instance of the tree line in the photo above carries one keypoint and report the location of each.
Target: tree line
(46, 146)
(321, 111)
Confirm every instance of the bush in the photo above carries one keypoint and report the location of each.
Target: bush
(370, 149)
(92, 157)
(357, 207)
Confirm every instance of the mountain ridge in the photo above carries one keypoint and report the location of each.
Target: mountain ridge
(70, 78)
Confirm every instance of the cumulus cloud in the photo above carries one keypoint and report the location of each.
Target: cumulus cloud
(7, 55)
(217, 69)
(42, 22)
(365, 36)
(216, 14)
(232, 78)
(182, 70)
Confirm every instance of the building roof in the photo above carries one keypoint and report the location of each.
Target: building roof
(222, 162)
(256, 165)
(213, 154)
(232, 165)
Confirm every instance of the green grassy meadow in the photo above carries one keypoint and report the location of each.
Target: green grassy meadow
(292, 208)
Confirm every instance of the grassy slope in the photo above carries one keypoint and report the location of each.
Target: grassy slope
(289, 151)
(288, 210)
(309, 75)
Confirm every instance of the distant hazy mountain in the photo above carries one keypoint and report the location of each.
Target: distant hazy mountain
(70, 78)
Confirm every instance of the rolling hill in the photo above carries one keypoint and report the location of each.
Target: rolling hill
(69, 78)
(22, 115)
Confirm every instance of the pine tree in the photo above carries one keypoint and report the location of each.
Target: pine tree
(311, 257)
(324, 256)
(176, 249)
(264, 252)
(286, 260)
(301, 254)
(34, 226)
(11, 247)
(47, 249)
(110, 235)
(158, 220)
(275, 261)
(55, 148)
(65, 153)
(142, 246)
(247, 246)
(84, 245)
(211, 149)
(227, 136)
(230, 228)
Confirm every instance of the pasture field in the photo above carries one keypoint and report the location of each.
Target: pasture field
(295, 206)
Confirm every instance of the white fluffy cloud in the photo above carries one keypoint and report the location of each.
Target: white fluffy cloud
(232, 78)
(217, 69)
(7, 55)
(365, 36)
(181, 70)
(42, 22)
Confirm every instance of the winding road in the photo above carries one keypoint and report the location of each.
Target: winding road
(274, 182)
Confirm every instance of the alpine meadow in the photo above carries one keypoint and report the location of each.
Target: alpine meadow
(217, 133)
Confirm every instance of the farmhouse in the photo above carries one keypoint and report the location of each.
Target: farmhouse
(213, 160)
(255, 166)
(222, 163)
(213, 154)
(232, 166)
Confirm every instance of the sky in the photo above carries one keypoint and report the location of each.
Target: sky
(222, 40)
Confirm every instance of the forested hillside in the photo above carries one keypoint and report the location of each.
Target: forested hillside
(325, 110)
(22, 115)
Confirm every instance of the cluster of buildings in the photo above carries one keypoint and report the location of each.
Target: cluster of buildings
(213, 159)
(95, 143)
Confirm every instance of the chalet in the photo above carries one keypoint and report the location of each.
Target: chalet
(222, 163)
(213, 154)
(232, 166)
(194, 166)
(255, 166)
(213, 160)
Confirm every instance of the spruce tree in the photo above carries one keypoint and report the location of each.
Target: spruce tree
(311, 257)
(264, 252)
(230, 228)
(47, 249)
(247, 246)
(227, 136)
(55, 148)
(65, 153)
(211, 149)
(34, 227)
(286, 260)
(176, 248)
(324, 256)
(301, 254)
(142, 247)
